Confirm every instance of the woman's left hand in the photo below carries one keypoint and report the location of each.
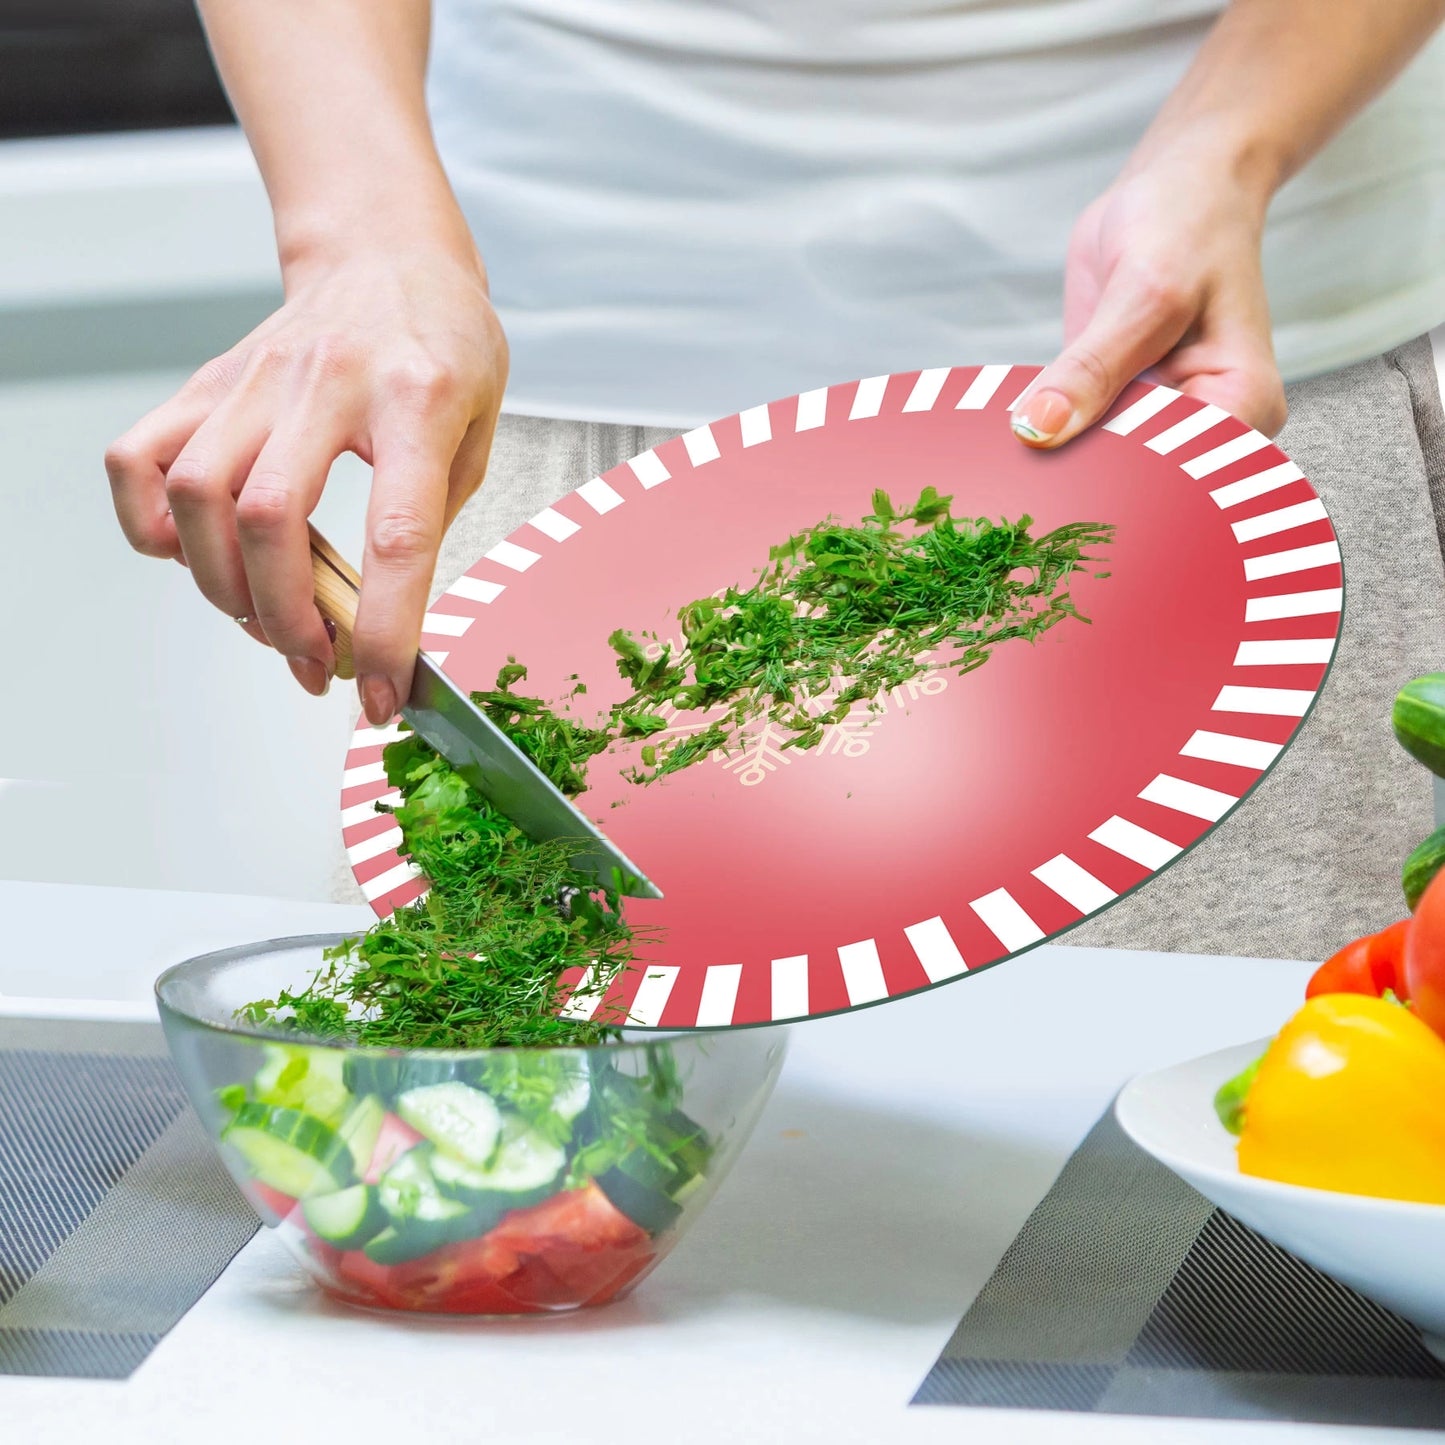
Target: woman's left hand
(1163, 276)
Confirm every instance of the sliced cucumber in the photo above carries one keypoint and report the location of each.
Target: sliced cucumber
(575, 1092)
(681, 1196)
(677, 1149)
(372, 1074)
(535, 1085)
(524, 1160)
(402, 1242)
(409, 1187)
(296, 1076)
(525, 1171)
(361, 1128)
(647, 1169)
(391, 1075)
(459, 1120)
(460, 1181)
(686, 1143)
(290, 1151)
(419, 1217)
(347, 1218)
(645, 1205)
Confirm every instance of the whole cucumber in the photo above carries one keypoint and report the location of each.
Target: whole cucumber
(1421, 866)
(1419, 720)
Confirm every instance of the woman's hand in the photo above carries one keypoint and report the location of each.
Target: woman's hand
(394, 355)
(1163, 275)
(1164, 268)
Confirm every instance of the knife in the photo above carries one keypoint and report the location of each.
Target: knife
(443, 715)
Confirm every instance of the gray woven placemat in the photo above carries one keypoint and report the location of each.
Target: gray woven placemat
(1127, 1293)
(115, 1213)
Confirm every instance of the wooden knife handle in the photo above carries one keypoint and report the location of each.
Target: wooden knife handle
(337, 585)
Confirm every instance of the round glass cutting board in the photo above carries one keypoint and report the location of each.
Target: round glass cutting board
(963, 818)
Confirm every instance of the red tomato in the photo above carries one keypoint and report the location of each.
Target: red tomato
(572, 1249)
(589, 1247)
(1425, 956)
(535, 1285)
(365, 1282)
(480, 1297)
(584, 1218)
(456, 1279)
(624, 1281)
(1369, 965)
(392, 1142)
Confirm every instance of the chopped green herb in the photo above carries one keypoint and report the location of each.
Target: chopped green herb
(841, 615)
(845, 614)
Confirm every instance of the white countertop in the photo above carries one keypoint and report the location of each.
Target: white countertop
(902, 1151)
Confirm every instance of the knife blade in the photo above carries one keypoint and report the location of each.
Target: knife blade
(446, 717)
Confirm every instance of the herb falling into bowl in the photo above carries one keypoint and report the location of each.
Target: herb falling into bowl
(425, 1119)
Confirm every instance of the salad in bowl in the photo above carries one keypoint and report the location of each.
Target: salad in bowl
(448, 1113)
(487, 1181)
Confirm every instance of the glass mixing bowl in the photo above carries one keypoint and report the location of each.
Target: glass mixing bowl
(477, 1181)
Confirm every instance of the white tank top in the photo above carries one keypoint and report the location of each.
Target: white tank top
(690, 206)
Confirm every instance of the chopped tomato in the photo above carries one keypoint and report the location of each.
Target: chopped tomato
(442, 1281)
(392, 1142)
(624, 1281)
(585, 1218)
(585, 1241)
(575, 1248)
(364, 1281)
(480, 1296)
(534, 1285)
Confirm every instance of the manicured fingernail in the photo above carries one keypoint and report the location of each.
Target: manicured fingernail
(330, 627)
(311, 674)
(378, 699)
(1042, 417)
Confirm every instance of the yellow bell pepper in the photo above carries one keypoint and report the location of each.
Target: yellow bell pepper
(1350, 1096)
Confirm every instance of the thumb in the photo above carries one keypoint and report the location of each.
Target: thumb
(1136, 323)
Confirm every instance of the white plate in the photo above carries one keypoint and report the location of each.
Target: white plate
(1390, 1250)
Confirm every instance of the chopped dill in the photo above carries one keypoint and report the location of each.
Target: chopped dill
(841, 615)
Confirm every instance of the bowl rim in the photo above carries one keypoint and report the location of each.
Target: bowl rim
(238, 951)
(1184, 1163)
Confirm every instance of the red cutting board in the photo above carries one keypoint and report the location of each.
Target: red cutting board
(975, 816)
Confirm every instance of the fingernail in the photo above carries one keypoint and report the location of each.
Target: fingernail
(378, 699)
(1042, 417)
(311, 674)
(330, 627)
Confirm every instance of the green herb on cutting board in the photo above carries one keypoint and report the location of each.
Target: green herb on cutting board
(841, 615)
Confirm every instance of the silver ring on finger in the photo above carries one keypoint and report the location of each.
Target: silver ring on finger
(244, 620)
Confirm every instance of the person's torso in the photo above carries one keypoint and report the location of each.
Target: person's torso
(689, 206)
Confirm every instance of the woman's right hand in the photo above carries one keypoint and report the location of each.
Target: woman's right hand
(397, 356)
